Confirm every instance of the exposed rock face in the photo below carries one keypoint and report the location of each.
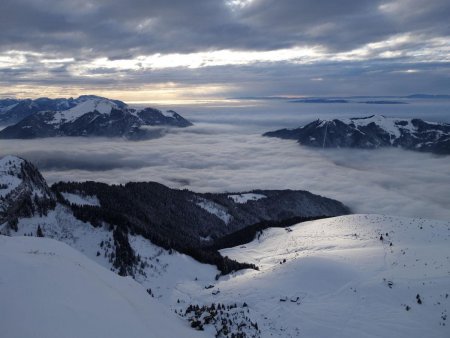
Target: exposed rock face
(372, 132)
(23, 190)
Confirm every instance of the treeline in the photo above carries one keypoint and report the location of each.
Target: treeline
(132, 209)
(23, 205)
(150, 207)
(248, 234)
(172, 219)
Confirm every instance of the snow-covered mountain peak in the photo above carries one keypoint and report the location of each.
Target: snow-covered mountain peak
(101, 105)
(390, 125)
(10, 161)
(371, 132)
(87, 115)
(379, 120)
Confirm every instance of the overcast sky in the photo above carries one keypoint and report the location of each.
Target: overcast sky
(144, 50)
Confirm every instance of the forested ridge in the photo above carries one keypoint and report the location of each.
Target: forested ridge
(173, 219)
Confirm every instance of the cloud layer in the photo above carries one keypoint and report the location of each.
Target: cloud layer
(119, 29)
(234, 157)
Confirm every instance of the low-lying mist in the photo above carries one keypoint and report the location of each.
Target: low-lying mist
(223, 157)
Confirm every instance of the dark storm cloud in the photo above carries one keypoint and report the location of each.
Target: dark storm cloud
(109, 27)
(330, 23)
(124, 28)
(347, 24)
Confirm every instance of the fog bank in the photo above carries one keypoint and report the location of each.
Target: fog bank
(222, 157)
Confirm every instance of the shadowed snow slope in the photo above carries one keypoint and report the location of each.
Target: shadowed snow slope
(50, 290)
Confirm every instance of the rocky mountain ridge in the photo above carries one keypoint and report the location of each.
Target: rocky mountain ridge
(23, 191)
(372, 132)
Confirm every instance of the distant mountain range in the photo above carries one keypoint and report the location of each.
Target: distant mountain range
(369, 99)
(372, 132)
(14, 110)
(320, 100)
(86, 115)
(329, 100)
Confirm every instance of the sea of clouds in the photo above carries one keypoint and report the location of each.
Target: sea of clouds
(226, 152)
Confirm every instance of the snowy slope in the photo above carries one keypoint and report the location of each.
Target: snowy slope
(160, 270)
(244, 198)
(102, 105)
(349, 276)
(390, 125)
(81, 199)
(50, 290)
(215, 209)
(340, 280)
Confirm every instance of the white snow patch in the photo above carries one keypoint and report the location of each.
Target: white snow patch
(390, 125)
(103, 106)
(81, 199)
(169, 113)
(244, 198)
(215, 209)
(170, 275)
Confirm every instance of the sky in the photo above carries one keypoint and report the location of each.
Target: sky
(176, 51)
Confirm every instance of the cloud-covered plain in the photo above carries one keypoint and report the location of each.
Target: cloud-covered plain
(221, 157)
